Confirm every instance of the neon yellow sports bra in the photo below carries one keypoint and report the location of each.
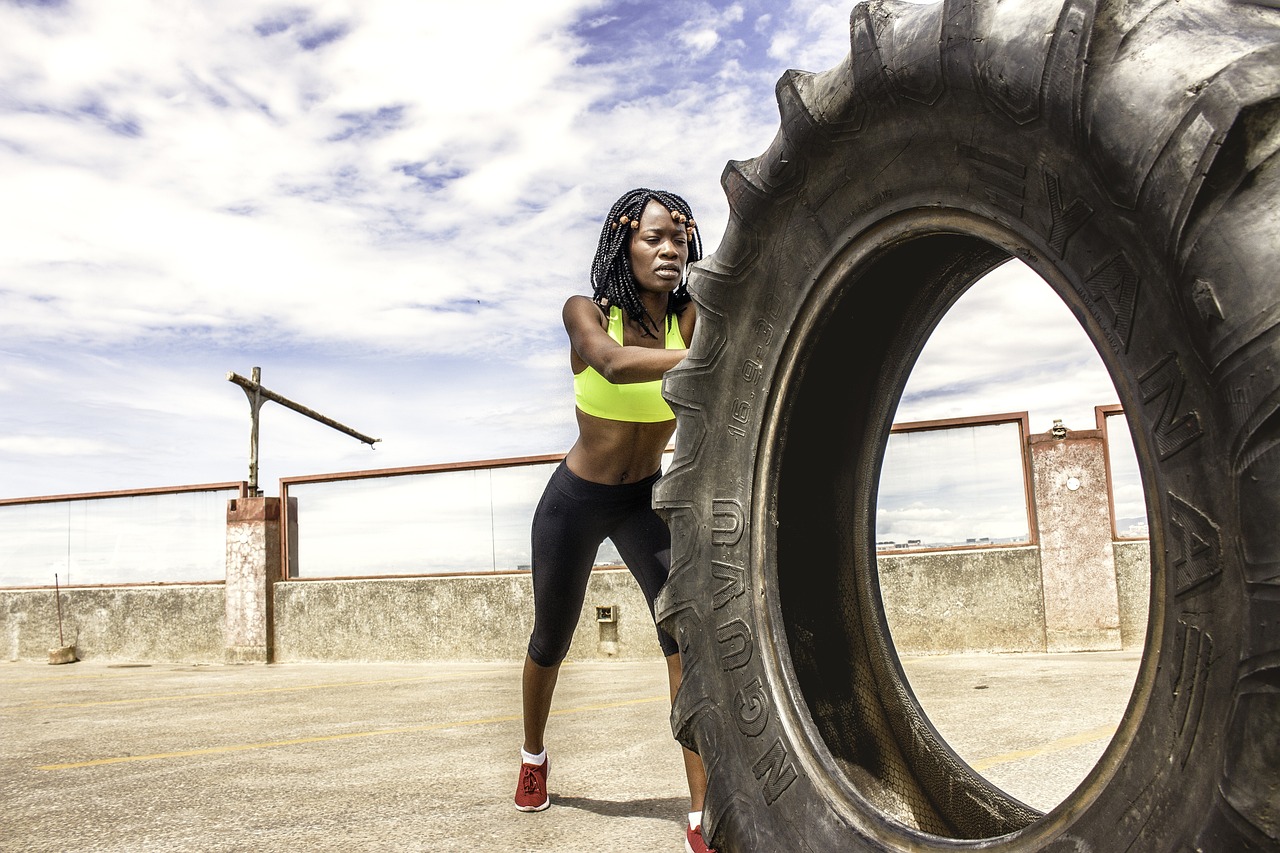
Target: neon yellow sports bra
(637, 402)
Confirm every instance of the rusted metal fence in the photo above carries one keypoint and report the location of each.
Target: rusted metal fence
(455, 518)
(171, 534)
(474, 517)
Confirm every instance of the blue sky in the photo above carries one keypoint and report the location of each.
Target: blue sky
(384, 206)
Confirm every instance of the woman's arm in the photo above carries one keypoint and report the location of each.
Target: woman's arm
(589, 338)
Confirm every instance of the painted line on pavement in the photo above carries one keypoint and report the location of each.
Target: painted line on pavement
(1090, 736)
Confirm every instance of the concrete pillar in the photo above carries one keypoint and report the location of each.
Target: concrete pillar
(1077, 561)
(253, 566)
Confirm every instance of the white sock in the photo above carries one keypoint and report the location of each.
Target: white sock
(535, 760)
(695, 820)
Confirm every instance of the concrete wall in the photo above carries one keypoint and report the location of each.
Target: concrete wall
(1133, 582)
(1077, 590)
(992, 600)
(940, 602)
(157, 623)
(398, 619)
(462, 618)
(949, 601)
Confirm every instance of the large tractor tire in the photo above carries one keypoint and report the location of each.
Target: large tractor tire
(1127, 153)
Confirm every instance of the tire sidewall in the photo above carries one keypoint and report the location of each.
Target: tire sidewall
(1110, 269)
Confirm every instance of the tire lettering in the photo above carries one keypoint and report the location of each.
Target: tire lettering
(1190, 682)
(742, 415)
(734, 638)
(1063, 221)
(734, 583)
(752, 370)
(872, 203)
(776, 772)
(1173, 430)
(1112, 290)
(727, 526)
(751, 709)
(1004, 181)
(1195, 546)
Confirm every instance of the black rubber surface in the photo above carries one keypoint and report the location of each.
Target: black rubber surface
(1127, 154)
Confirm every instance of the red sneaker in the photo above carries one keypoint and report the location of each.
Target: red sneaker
(531, 790)
(694, 842)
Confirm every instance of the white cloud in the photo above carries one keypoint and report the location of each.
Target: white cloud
(702, 32)
(51, 445)
(811, 36)
(383, 204)
(1010, 344)
(237, 203)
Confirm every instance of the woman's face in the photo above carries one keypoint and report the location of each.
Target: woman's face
(659, 250)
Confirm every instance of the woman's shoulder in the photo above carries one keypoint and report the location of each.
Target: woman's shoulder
(582, 309)
(581, 300)
(587, 305)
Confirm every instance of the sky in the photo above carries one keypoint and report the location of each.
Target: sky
(383, 205)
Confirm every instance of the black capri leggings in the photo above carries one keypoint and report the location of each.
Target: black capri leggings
(573, 518)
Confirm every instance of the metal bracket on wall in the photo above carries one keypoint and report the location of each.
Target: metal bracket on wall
(257, 396)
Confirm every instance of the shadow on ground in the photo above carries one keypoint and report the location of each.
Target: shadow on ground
(659, 807)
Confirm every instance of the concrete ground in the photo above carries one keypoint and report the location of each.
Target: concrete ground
(423, 756)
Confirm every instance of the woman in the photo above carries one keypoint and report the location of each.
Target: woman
(634, 328)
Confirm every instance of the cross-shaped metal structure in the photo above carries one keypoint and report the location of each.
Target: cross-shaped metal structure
(257, 396)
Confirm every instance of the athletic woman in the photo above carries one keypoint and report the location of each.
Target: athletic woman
(634, 328)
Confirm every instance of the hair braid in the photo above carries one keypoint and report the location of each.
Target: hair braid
(612, 279)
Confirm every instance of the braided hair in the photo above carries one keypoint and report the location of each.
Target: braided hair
(612, 280)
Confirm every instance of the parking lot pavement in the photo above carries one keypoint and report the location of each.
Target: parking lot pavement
(1032, 724)
(423, 756)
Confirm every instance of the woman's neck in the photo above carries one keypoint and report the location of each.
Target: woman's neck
(655, 304)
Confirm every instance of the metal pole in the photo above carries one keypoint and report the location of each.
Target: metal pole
(57, 597)
(255, 406)
(252, 387)
(257, 396)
